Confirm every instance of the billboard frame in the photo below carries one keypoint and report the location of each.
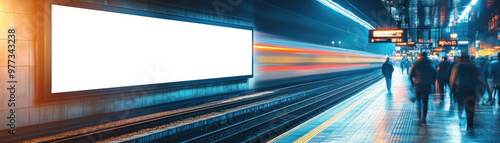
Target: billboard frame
(47, 67)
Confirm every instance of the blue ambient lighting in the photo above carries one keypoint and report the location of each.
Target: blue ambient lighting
(346, 13)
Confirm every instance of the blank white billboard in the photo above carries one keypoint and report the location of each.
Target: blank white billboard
(94, 49)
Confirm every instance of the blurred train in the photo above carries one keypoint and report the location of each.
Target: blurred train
(280, 61)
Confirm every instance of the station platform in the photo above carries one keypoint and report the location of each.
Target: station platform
(374, 115)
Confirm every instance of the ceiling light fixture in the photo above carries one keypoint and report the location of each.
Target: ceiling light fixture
(346, 13)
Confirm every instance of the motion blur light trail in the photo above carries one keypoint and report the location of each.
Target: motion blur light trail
(267, 48)
(308, 67)
(314, 59)
(281, 60)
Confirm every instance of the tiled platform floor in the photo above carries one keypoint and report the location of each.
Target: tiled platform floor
(373, 115)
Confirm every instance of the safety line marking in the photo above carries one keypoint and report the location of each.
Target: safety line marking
(310, 135)
(375, 87)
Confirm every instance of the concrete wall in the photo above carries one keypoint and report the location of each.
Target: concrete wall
(29, 18)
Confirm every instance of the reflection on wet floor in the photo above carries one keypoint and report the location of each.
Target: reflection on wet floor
(384, 117)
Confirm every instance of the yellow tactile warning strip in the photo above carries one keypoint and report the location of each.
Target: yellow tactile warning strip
(307, 137)
(294, 129)
(393, 118)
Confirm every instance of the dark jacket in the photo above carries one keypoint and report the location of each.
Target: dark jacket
(465, 75)
(494, 72)
(408, 64)
(443, 71)
(423, 75)
(482, 65)
(450, 67)
(387, 69)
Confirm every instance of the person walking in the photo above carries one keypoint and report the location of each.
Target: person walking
(452, 92)
(494, 72)
(482, 64)
(422, 77)
(486, 72)
(407, 66)
(387, 70)
(403, 65)
(443, 76)
(466, 80)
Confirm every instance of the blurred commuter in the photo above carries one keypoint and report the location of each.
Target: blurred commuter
(435, 62)
(403, 65)
(482, 65)
(407, 66)
(443, 76)
(450, 67)
(387, 70)
(495, 74)
(466, 80)
(422, 77)
(489, 83)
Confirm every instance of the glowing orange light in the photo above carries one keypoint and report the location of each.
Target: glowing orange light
(278, 49)
(262, 47)
(307, 67)
(396, 40)
(402, 44)
(388, 33)
(453, 35)
(447, 43)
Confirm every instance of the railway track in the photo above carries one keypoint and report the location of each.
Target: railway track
(266, 126)
(303, 95)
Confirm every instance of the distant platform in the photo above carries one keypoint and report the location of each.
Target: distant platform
(374, 115)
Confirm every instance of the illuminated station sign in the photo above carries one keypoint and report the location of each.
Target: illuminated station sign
(386, 36)
(386, 40)
(387, 33)
(405, 44)
(438, 49)
(423, 45)
(447, 42)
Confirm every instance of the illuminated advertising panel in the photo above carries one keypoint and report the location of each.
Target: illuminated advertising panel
(94, 49)
(447, 42)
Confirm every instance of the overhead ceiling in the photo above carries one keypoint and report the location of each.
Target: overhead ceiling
(424, 13)
(434, 13)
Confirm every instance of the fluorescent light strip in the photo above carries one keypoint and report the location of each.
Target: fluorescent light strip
(473, 2)
(346, 13)
(466, 11)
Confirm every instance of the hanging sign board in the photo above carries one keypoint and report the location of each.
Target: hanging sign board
(405, 44)
(386, 36)
(386, 40)
(423, 45)
(438, 49)
(447, 42)
(387, 33)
